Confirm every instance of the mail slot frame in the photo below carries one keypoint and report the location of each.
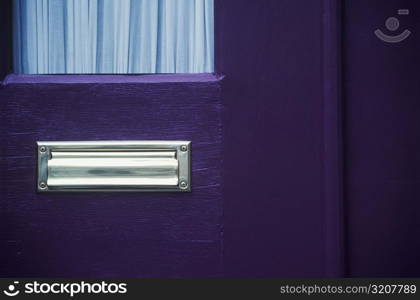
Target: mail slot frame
(182, 149)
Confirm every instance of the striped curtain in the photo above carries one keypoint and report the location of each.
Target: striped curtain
(113, 36)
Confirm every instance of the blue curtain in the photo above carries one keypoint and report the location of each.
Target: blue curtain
(113, 36)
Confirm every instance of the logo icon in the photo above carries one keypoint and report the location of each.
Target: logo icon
(11, 289)
(392, 24)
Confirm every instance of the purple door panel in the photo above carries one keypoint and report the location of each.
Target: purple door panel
(382, 139)
(110, 234)
(271, 53)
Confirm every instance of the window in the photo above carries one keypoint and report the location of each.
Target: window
(113, 36)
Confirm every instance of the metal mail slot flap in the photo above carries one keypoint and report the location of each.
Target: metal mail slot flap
(114, 166)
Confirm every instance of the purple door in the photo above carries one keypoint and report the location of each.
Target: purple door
(304, 150)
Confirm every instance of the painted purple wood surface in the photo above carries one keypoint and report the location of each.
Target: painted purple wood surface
(110, 234)
(280, 155)
(333, 139)
(274, 210)
(382, 140)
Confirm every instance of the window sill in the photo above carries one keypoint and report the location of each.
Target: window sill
(110, 79)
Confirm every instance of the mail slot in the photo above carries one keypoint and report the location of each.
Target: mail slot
(114, 166)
